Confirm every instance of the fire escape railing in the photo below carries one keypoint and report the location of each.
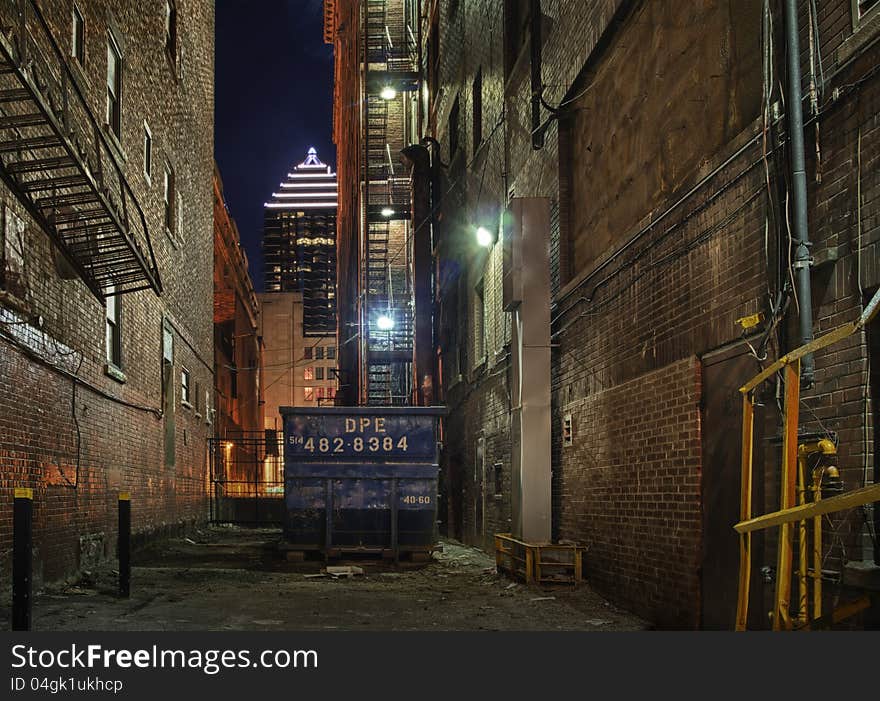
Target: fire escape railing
(57, 160)
(391, 61)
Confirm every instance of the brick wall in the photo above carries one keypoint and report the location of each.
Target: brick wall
(77, 442)
(690, 238)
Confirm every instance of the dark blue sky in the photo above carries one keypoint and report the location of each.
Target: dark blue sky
(274, 89)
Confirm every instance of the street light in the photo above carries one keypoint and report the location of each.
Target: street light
(388, 93)
(385, 323)
(484, 237)
(387, 212)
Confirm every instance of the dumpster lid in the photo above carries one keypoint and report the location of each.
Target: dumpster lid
(364, 410)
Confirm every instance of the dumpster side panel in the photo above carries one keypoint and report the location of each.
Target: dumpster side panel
(360, 479)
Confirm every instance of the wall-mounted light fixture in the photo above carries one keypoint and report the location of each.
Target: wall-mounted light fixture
(388, 93)
(485, 237)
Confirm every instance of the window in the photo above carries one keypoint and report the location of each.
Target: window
(480, 323)
(148, 152)
(209, 410)
(307, 353)
(453, 128)
(477, 102)
(516, 17)
(12, 274)
(309, 394)
(78, 40)
(113, 330)
(498, 469)
(331, 352)
(309, 373)
(180, 219)
(168, 197)
(114, 87)
(171, 30)
(319, 373)
(319, 353)
(197, 396)
(184, 386)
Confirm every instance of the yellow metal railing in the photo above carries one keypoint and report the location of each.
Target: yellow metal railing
(793, 486)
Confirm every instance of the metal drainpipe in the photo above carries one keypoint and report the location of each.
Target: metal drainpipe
(802, 259)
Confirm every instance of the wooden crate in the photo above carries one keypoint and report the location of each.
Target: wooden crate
(538, 563)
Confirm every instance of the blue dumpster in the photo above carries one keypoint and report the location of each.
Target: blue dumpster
(361, 479)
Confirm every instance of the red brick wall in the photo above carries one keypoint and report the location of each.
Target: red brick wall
(78, 452)
(630, 489)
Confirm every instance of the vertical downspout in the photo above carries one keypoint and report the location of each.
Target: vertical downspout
(802, 259)
(423, 347)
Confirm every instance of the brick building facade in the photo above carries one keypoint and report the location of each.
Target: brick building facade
(658, 132)
(91, 401)
(238, 346)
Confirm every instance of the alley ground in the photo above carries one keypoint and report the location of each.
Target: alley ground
(234, 579)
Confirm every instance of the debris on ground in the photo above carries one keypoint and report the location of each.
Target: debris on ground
(238, 580)
(347, 571)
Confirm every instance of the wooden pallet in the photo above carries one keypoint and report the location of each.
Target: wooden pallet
(539, 563)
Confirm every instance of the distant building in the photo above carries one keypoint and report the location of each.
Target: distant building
(238, 351)
(299, 242)
(299, 370)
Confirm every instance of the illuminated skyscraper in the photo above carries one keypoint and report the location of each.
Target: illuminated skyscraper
(299, 242)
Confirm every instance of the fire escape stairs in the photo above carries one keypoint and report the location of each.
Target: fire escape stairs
(57, 160)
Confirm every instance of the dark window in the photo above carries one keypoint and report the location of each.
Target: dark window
(148, 152)
(168, 195)
(171, 29)
(477, 102)
(331, 353)
(114, 87)
(78, 43)
(319, 353)
(454, 128)
(516, 16)
(499, 479)
(319, 373)
(307, 353)
(113, 330)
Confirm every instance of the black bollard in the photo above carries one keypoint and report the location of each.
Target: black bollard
(124, 544)
(22, 558)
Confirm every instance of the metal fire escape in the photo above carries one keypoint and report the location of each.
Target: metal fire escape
(57, 159)
(391, 58)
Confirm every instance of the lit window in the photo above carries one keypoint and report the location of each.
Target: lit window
(148, 152)
(78, 43)
(184, 386)
(309, 374)
(171, 29)
(114, 87)
(309, 394)
(113, 330)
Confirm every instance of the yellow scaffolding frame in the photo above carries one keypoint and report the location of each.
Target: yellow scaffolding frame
(793, 468)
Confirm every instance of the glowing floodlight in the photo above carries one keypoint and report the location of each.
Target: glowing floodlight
(387, 212)
(484, 237)
(388, 93)
(385, 323)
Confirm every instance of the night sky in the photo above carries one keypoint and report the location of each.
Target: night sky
(274, 89)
